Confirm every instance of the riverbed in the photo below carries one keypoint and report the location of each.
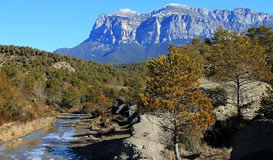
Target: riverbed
(51, 143)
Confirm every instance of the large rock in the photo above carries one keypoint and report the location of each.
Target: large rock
(251, 96)
(255, 142)
(149, 138)
(131, 112)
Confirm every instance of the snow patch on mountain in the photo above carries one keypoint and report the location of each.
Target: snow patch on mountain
(175, 5)
(125, 12)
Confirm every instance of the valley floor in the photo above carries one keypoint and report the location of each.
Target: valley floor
(83, 137)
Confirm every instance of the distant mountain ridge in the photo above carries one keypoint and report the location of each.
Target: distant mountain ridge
(127, 36)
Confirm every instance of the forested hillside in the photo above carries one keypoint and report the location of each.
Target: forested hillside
(34, 82)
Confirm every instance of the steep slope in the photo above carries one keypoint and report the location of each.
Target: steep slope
(127, 36)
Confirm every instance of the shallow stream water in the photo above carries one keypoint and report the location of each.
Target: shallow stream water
(51, 143)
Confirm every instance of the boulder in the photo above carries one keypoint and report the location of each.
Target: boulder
(118, 106)
(133, 116)
(255, 142)
(131, 112)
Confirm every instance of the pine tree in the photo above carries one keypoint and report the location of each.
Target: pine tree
(264, 36)
(172, 88)
(238, 60)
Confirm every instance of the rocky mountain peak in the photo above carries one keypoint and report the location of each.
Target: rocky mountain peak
(173, 8)
(175, 5)
(125, 13)
(127, 36)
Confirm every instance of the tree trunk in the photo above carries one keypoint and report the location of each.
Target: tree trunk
(1, 60)
(175, 141)
(177, 156)
(239, 114)
(103, 117)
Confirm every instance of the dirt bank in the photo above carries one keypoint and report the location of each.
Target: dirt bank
(16, 130)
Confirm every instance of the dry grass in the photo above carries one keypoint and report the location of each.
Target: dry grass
(15, 130)
(208, 152)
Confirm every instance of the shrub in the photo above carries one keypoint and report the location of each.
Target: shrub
(266, 103)
(217, 95)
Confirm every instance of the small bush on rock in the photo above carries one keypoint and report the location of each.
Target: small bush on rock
(266, 102)
(217, 95)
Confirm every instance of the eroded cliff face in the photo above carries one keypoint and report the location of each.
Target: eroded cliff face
(127, 36)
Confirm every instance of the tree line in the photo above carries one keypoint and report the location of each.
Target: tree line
(31, 85)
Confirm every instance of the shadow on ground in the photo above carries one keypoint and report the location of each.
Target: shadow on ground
(223, 132)
(106, 150)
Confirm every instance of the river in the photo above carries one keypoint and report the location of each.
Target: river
(51, 143)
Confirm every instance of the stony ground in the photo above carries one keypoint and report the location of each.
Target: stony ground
(153, 142)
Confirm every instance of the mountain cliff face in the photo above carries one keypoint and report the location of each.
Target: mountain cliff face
(127, 36)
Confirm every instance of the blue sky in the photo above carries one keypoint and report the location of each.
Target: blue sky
(52, 24)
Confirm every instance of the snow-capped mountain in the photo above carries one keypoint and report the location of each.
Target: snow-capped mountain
(127, 36)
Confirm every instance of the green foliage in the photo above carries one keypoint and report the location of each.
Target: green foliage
(135, 86)
(172, 87)
(10, 100)
(6, 92)
(266, 102)
(29, 77)
(71, 96)
(217, 95)
(238, 60)
(264, 36)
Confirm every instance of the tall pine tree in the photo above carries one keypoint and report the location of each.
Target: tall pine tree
(172, 87)
(238, 60)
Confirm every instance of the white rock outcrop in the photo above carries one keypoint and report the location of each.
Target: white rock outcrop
(64, 65)
(251, 94)
(149, 138)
